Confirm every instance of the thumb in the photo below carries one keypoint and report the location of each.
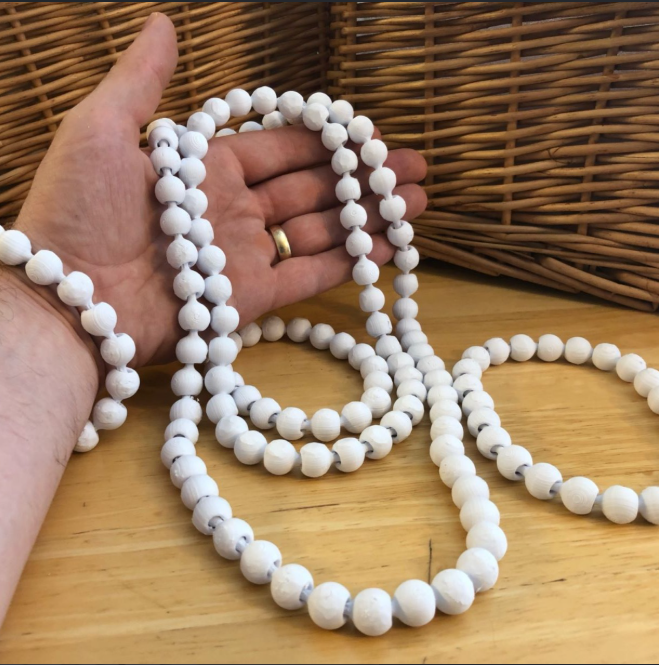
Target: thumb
(135, 84)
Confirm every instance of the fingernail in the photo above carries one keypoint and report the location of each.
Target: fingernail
(152, 17)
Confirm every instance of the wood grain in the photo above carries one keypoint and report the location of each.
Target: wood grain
(119, 574)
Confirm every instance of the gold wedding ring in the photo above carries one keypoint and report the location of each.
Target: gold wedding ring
(281, 242)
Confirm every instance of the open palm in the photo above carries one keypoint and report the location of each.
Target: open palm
(92, 202)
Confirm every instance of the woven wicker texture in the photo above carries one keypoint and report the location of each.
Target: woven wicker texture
(52, 54)
(539, 122)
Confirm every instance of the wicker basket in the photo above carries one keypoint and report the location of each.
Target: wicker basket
(539, 122)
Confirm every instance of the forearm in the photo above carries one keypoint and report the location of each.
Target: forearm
(48, 381)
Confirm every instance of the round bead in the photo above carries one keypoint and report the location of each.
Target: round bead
(182, 427)
(250, 334)
(231, 537)
(419, 351)
(467, 366)
(359, 242)
(379, 441)
(211, 260)
(264, 100)
(263, 412)
(398, 423)
(45, 268)
(185, 467)
(465, 384)
(446, 425)
(341, 344)
(224, 319)
(399, 359)
(356, 416)
(326, 424)
(341, 111)
(374, 154)
(76, 289)
(378, 401)
(174, 448)
(195, 202)
(327, 605)
(477, 510)
(227, 131)
(645, 381)
(220, 406)
(454, 591)
(250, 126)
(192, 171)
(373, 364)
(476, 399)
(412, 338)
(468, 488)
(159, 122)
(170, 189)
(222, 351)
(454, 467)
(481, 418)
(316, 459)
(298, 330)
(100, 320)
(314, 117)
(444, 446)
(274, 120)
(445, 407)
(387, 346)
(522, 348)
(479, 354)
(249, 447)
(382, 180)
(412, 406)
(491, 439)
(550, 348)
(239, 101)
(606, 356)
(405, 259)
(414, 603)
(320, 98)
(290, 104)
(511, 459)
(653, 400)
(578, 350)
(406, 285)
(406, 374)
(188, 283)
(186, 407)
(353, 215)
(333, 135)
(629, 366)
(122, 384)
(365, 271)
(620, 504)
(163, 133)
(348, 189)
(372, 612)
(439, 392)
(118, 350)
(88, 439)
(193, 144)
(379, 380)
(196, 488)
(488, 536)
(360, 129)
(351, 454)
(218, 110)
(228, 429)
(217, 289)
(194, 316)
(279, 457)
(344, 160)
(498, 349)
(649, 504)
(292, 423)
(400, 236)
(181, 252)
(209, 512)
(437, 377)
(239, 343)
(481, 566)
(245, 396)
(321, 335)
(220, 379)
(429, 364)
(543, 481)
(578, 495)
(290, 586)
(359, 353)
(412, 387)
(406, 308)
(393, 210)
(259, 561)
(203, 123)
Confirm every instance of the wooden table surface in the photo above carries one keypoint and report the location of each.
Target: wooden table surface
(119, 574)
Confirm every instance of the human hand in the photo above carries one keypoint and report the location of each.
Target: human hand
(93, 203)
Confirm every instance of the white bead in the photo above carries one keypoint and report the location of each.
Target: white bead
(412, 406)
(498, 349)
(274, 120)
(259, 561)
(122, 384)
(393, 210)
(412, 338)
(320, 98)
(88, 439)
(239, 343)
(194, 316)
(467, 366)
(476, 399)
(159, 122)
(45, 268)
(550, 348)
(175, 221)
(345, 160)
(467, 488)
(170, 189)
(378, 324)
(399, 424)
(239, 101)
(118, 350)
(398, 360)
(629, 366)
(224, 319)
(250, 126)
(341, 344)
(477, 510)
(353, 215)
(341, 111)
(180, 130)
(316, 459)
(182, 427)
(227, 131)
(348, 189)
(359, 242)
(195, 202)
(209, 512)
(388, 346)
(405, 374)
(446, 425)
(314, 117)
(333, 135)
(491, 439)
(444, 446)
(290, 586)
(291, 104)
(378, 439)
(379, 380)
(382, 181)
(217, 289)
(245, 396)
(228, 429)
(186, 407)
(231, 537)
(192, 171)
(326, 424)
(165, 158)
(437, 377)
(355, 417)
(250, 334)
(454, 591)
(273, 328)
(419, 350)
(279, 457)
(163, 133)
(429, 364)
(220, 406)
(480, 418)
(264, 412)
(327, 605)
(522, 347)
(511, 459)
(203, 123)
(249, 447)
(174, 448)
(76, 289)
(412, 387)
(442, 391)
(188, 283)
(465, 384)
(378, 401)
(374, 154)
(218, 110)
(578, 495)
(606, 356)
(490, 537)
(373, 364)
(454, 467)
(211, 260)
(479, 354)
(653, 400)
(372, 612)
(292, 423)
(360, 129)
(264, 100)
(406, 285)
(185, 467)
(414, 603)
(100, 320)
(578, 350)
(298, 330)
(620, 504)
(445, 407)
(222, 351)
(196, 488)
(649, 504)
(645, 381)
(406, 259)
(405, 308)
(321, 336)
(239, 381)
(181, 252)
(351, 454)
(193, 144)
(481, 566)
(543, 481)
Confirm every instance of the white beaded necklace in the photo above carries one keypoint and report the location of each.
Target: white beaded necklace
(405, 362)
